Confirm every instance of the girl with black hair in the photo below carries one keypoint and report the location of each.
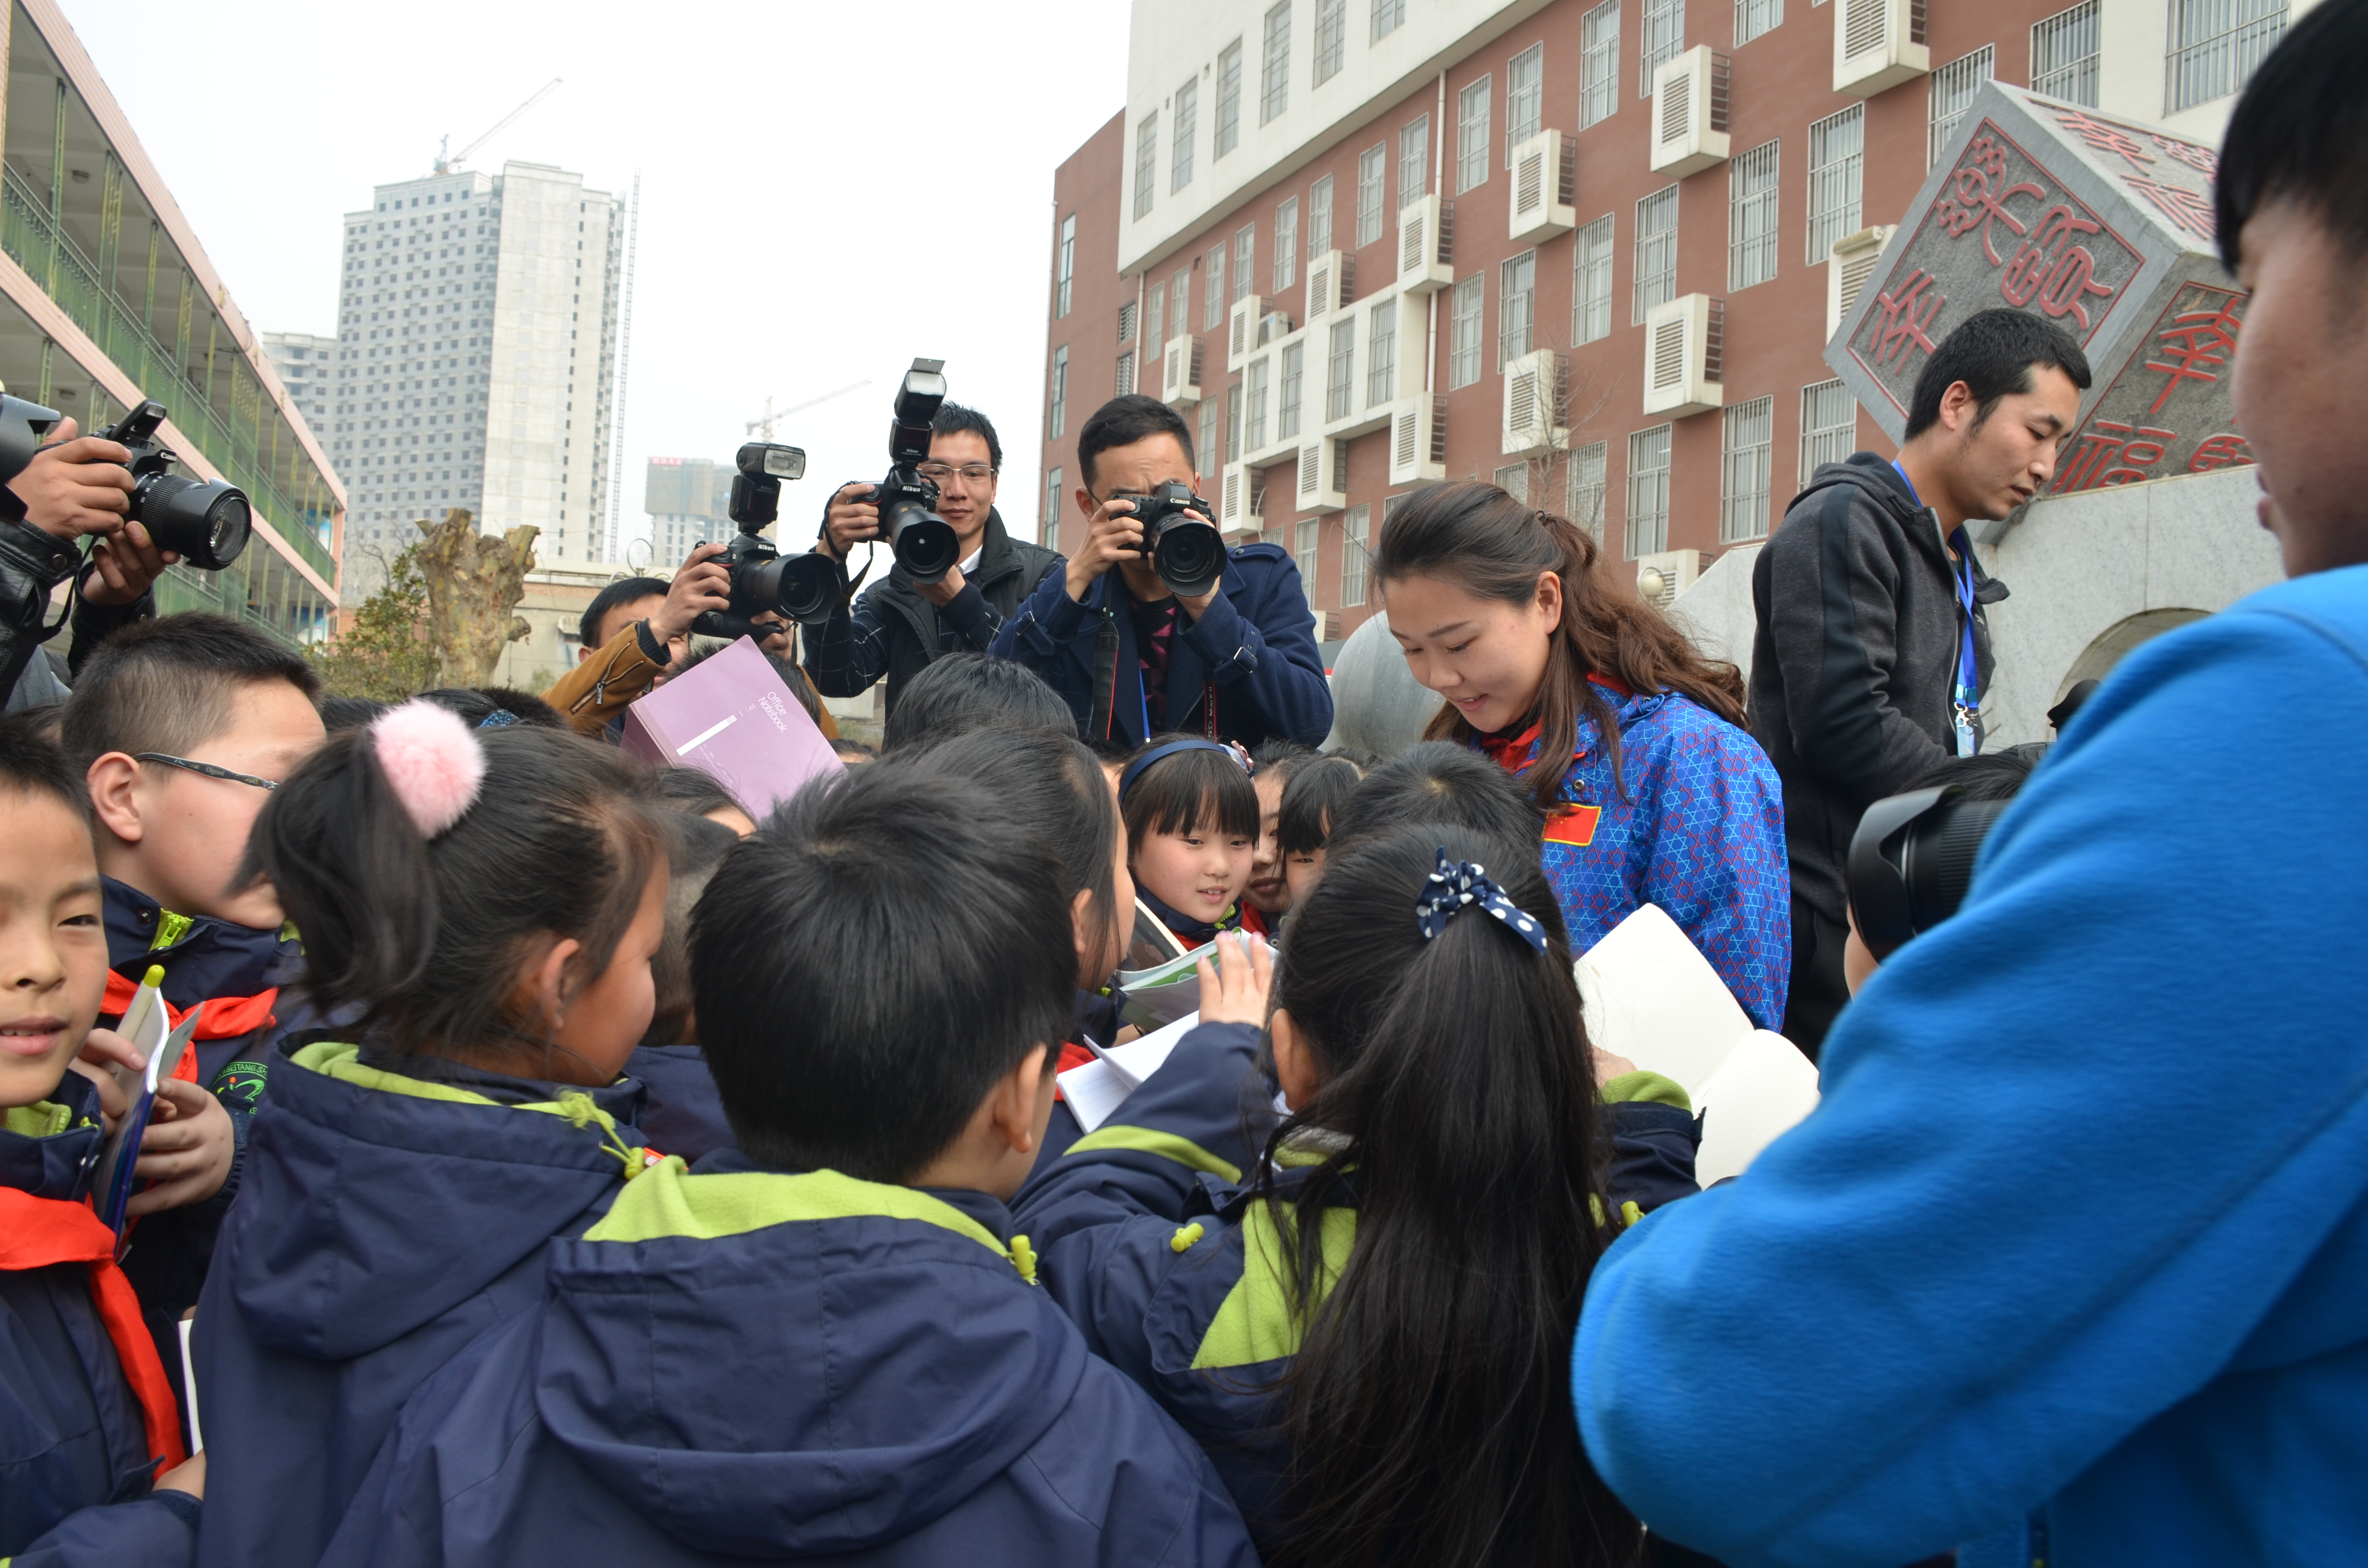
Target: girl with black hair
(1311, 796)
(480, 908)
(1191, 835)
(1364, 1314)
(1631, 742)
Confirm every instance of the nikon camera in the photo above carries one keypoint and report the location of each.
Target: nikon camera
(1188, 553)
(207, 521)
(762, 580)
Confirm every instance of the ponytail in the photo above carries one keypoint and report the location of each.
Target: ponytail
(416, 908)
(1428, 1406)
(1480, 537)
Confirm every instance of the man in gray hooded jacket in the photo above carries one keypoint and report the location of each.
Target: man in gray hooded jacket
(1873, 649)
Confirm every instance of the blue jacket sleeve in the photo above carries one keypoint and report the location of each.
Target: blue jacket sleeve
(159, 1530)
(1268, 655)
(1046, 622)
(1718, 865)
(851, 651)
(2027, 1220)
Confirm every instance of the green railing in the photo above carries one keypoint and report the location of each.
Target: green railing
(35, 243)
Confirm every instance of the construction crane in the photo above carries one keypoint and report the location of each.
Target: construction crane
(446, 165)
(766, 421)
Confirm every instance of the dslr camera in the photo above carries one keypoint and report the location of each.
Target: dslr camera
(924, 542)
(1188, 554)
(207, 521)
(762, 580)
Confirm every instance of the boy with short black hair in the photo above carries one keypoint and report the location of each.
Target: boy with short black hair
(827, 1340)
(181, 727)
(86, 1417)
(962, 692)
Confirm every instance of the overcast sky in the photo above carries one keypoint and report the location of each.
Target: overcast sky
(827, 190)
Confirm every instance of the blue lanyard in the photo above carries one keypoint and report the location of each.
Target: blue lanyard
(1967, 707)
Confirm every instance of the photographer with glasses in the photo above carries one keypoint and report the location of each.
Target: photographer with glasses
(899, 625)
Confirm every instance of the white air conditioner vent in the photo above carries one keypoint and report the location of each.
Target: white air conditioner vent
(1272, 327)
(1690, 103)
(1533, 402)
(1320, 477)
(1878, 44)
(1425, 246)
(1331, 284)
(1545, 176)
(1684, 355)
(1241, 506)
(1179, 378)
(1852, 262)
(1241, 328)
(1418, 440)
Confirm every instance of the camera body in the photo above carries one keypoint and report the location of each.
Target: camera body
(1188, 553)
(757, 569)
(206, 521)
(924, 542)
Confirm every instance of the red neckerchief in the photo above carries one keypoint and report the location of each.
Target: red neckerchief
(1512, 754)
(36, 1233)
(1254, 920)
(226, 1017)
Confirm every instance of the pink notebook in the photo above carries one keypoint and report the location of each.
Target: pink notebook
(733, 718)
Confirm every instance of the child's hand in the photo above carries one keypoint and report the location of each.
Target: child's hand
(186, 1151)
(102, 1049)
(1608, 1066)
(188, 1476)
(1233, 987)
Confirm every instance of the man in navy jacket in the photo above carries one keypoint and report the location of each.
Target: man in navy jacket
(1134, 659)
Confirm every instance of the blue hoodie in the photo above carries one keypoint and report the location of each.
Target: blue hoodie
(2072, 1259)
(386, 1220)
(743, 1363)
(72, 1437)
(1144, 1227)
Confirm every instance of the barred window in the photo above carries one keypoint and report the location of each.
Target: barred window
(1229, 97)
(1319, 216)
(1370, 195)
(1207, 449)
(1524, 97)
(1513, 479)
(1064, 271)
(1516, 307)
(2214, 47)
(1188, 106)
(1828, 427)
(1275, 96)
(1381, 354)
(1233, 422)
(1303, 554)
(1340, 371)
(1665, 39)
(1125, 377)
(1254, 431)
(1472, 136)
(1154, 323)
(1245, 253)
(1354, 529)
(1294, 366)
(1836, 144)
(1599, 64)
(1048, 527)
(1649, 492)
(1752, 217)
(1414, 161)
(1057, 420)
(1748, 439)
(1657, 251)
(1331, 37)
(1590, 314)
(1212, 309)
(2064, 54)
(1146, 162)
(1286, 244)
(1585, 507)
(1753, 17)
(1463, 353)
(1953, 86)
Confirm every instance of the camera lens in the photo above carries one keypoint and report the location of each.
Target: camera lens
(804, 587)
(1189, 556)
(924, 542)
(207, 522)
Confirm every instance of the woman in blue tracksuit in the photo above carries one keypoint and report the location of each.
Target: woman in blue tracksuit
(483, 906)
(1630, 741)
(1365, 1327)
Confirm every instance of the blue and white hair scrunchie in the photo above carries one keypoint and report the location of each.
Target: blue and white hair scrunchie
(1459, 883)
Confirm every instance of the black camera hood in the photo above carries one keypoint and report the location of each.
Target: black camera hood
(23, 426)
(1912, 861)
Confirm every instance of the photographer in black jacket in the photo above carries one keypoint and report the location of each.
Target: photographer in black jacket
(73, 487)
(1873, 644)
(899, 625)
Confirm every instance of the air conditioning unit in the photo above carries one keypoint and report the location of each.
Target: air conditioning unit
(1328, 623)
(1320, 488)
(1241, 328)
(1690, 96)
(1272, 327)
(1878, 44)
(1664, 575)
(1331, 283)
(1241, 507)
(1545, 186)
(1425, 246)
(1418, 440)
(1848, 266)
(1179, 381)
(1534, 400)
(1684, 349)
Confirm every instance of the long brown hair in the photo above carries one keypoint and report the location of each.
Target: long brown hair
(1484, 541)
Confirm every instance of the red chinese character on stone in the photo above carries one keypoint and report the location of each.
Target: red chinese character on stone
(2202, 159)
(1968, 200)
(2112, 453)
(2104, 138)
(1903, 317)
(2196, 345)
(2052, 270)
(2227, 450)
(2191, 209)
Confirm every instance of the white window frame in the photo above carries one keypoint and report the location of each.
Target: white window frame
(1472, 109)
(1590, 287)
(1836, 168)
(1372, 193)
(1657, 253)
(1206, 448)
(1953, 89)
(1188, 113)
(2063, 50)
(1049, 525)
(1057, 420)
(1381, 354)
(1306, 545)
(1319, 216)
(1229, 99)
(1834, 439)
(1255, 382)
(1663, 37)
(1340, 370)
(1245, 258)
(1146, 163)
(1751, 184)
(1469, 299)
(1125, 379)
(1746, 451)
(1274, 64)
(1414, 160)
(1586, 485)
(2215, 45)
(1286, 243)
(1064, 271)
(1389, 15)
(1212, 307)
(1291, 394)
(1356, 528)
(1599, 64)
(1517, 306)
(1756, 18)
(1331, 38)
(1525, 97)
(1647, 519)
(1513, 479)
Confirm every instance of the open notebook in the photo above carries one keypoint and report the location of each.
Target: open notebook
(1095, 1089)
(733, 718)
(1651, 996)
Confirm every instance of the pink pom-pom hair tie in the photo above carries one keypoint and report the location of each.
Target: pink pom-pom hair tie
(435, 764)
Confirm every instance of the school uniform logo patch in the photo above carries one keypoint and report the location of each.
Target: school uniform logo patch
(1574, 826)
(240, 1084)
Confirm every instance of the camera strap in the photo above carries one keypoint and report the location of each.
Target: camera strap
(1100, 720)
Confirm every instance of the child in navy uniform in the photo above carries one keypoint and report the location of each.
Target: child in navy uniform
(482, 906)
(827, 1341)
(1191, 829)
(681, 1113)
(87, 1418)
(1365, 1321)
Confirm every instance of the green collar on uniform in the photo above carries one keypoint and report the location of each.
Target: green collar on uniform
(42, 1119)
(670, 1201)
(343, 1063)
(1255, 1321)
